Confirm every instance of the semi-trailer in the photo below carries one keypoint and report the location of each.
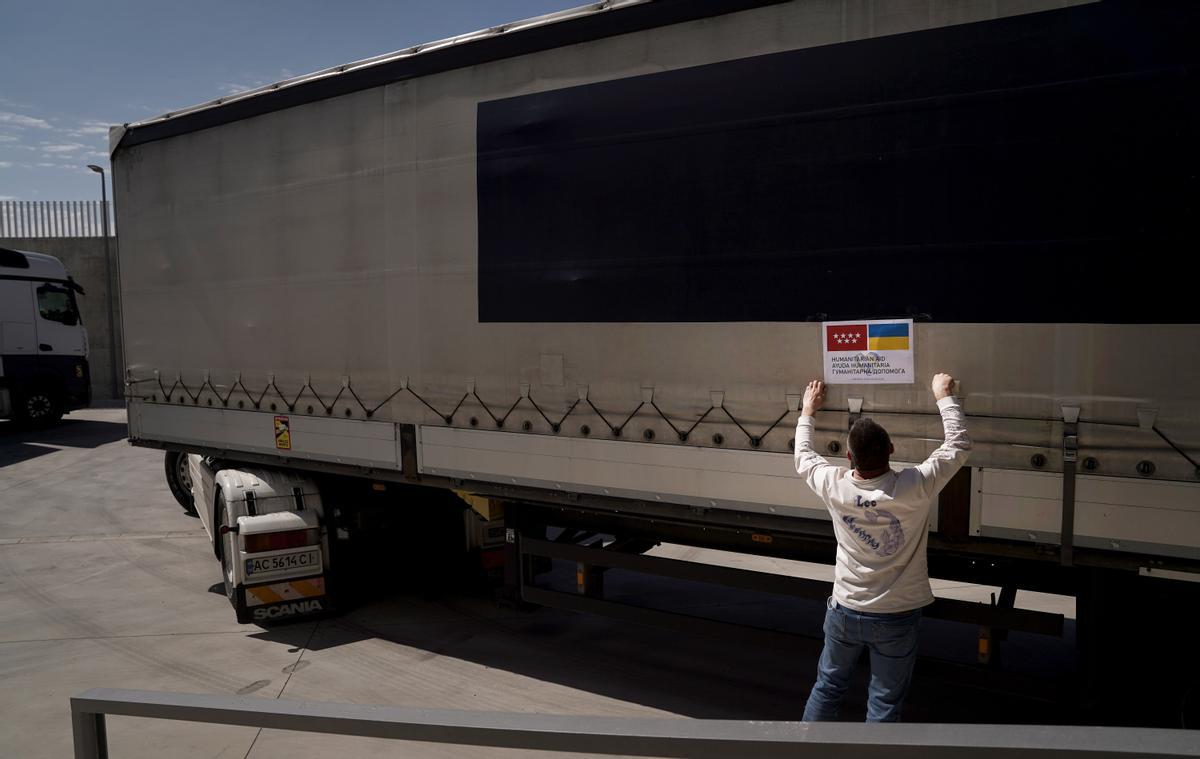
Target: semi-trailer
(552, 290)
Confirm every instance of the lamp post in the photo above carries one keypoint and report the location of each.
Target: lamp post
(108, 279)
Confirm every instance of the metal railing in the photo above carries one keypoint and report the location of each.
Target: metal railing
(624, 736)
(55, 218)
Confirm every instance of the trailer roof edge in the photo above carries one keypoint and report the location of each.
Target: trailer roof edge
(584, 24)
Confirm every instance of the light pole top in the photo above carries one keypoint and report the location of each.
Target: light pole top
(94, 167)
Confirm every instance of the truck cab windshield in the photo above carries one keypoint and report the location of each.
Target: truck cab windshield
(56, 304)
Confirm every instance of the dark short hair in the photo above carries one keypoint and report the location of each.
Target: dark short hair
(870, 445)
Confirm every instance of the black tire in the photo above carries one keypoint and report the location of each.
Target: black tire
(179, 479)
(38, 408)
(223, 544)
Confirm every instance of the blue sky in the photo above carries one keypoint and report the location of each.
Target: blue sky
(70, 69)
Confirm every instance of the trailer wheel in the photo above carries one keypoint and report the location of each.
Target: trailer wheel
(38, 408)
(179, 479)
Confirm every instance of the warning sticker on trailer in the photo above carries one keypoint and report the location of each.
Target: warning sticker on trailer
(283, 434)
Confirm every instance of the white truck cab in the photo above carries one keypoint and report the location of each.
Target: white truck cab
(43, 344)
(268, 530)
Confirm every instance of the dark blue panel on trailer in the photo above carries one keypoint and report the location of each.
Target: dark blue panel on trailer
(1028, 169)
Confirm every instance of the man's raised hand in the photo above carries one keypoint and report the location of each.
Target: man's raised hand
(814, 397)
(943, 386)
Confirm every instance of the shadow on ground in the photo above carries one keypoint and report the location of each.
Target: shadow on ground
(19, 443)
(693, 674)
(68, 433)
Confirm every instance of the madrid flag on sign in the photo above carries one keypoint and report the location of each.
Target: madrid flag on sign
(845, 337)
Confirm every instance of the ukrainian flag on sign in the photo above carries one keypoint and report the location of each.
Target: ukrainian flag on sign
(888, 337)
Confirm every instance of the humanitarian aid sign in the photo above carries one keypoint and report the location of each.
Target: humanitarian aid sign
(868, 352)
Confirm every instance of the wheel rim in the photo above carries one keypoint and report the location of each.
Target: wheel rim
(37, 406)
(183, 473)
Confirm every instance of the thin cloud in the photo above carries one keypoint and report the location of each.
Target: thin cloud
(253, 82)
(21, 121)
(88, 128)
(233, 89)
(65, 147)
(52, 165)
(8, 138)
(5, 164)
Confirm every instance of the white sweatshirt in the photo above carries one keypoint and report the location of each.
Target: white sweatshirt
(882, 524)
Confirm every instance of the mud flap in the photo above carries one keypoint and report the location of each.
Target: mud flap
(288, 600)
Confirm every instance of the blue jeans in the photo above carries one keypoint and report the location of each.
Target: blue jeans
(891, 640)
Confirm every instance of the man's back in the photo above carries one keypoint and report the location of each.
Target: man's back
(881, 524)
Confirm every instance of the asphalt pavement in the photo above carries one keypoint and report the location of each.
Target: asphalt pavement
(105, 582)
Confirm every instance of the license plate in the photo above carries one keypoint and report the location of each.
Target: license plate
(304, 560)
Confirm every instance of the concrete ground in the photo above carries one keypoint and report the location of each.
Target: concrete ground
(105, 582)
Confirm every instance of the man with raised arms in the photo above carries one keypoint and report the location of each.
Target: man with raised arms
(881, 576)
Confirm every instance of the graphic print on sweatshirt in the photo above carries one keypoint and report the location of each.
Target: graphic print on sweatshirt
(889, 541)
